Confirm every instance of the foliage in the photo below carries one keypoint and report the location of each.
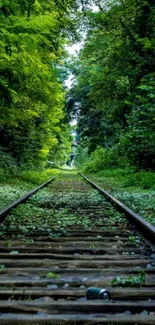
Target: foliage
(6, 161)
(33, 122)
(131, 281)
(144, 179)
(23, 181)
(52, 275)
(136, 190)
(1, 267)
(114, 89)
(142, 203)
(81, 157)
(101, 158)
(138, 143)
(134, 240)
(37, 176)
(8, 194)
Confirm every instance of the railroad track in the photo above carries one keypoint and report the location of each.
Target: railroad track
(65, 239)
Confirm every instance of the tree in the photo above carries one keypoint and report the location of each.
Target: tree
(117, 58)
(33, 34)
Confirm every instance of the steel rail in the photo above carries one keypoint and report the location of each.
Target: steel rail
(146, 228)
(4, 212)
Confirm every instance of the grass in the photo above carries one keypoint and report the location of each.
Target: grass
(126, 178)
(136, 190)
(13, 186)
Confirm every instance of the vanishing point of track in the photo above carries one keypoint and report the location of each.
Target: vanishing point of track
(85, 242)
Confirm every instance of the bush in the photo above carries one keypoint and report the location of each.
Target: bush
(6, 160)
(81, 156)
(138, 142)
(143, 179)
(38, 176)
(100, 159)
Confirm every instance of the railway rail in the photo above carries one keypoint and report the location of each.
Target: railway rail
(65, 239)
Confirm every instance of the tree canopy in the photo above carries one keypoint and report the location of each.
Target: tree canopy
(114, 91)
(33, 121)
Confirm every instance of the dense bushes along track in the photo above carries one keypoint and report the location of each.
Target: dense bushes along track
(64, 239)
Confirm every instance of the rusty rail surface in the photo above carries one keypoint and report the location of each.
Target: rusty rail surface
(82, 255)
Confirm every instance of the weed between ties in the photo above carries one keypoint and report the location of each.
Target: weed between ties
(131, 281)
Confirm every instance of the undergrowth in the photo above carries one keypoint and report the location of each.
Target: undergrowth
(136, 190)
(16, 184)
(126, 178)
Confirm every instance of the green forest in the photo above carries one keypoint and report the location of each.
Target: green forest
(115, 90)
(34, 125)
(112, 95)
